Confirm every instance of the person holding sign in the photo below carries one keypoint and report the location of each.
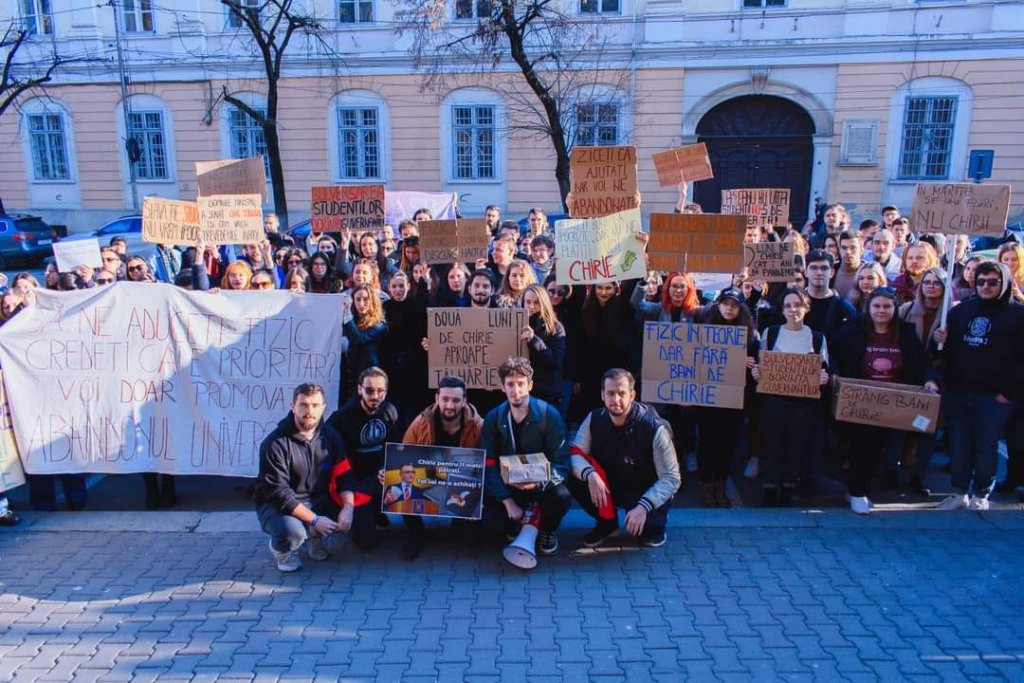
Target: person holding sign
(623, 457)
(720, 429)
(882, 348)
(293, 484)
(984, 376)
(790, 424)
(523, 425)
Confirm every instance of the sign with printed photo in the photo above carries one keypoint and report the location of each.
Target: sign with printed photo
(433, 481)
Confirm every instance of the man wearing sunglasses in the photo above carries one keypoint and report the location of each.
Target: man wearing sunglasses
(984, 377)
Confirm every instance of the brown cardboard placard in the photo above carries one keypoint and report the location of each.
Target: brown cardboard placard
(764, 207)
(885, 404)
(232, 176)
(603, 180)
(960, 208)
(170, 221)
(357, 207)
(231, 219)
(769, 261)
(683, 164)
(666, 165)
(461, 240)
(470, 343)
(706, 242)
(790, 374)
(694, 365)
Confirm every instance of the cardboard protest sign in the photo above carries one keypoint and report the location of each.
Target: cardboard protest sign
(11, 473)
(232, 176)
(529, 468)
(596, 250)
(470, 343)
(694, 365)
(403, 204)
(764, 207)
(705, 242)
(357, 207)
(960, 208)
(149, 377)
(603, 180)
(231, 219)
(462, 240)
(885, 404)
(790, 374)
(70, 255)
(170, 221)
(769, 261)
(683, 164)
(433, 481)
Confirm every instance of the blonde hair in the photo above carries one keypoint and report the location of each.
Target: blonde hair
(549, 321)
(507, 296)
(375, 315)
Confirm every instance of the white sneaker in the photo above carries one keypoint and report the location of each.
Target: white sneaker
(978, 503)
(286, 562)
(316, 549)
(860, 505)
(752, 469)
(957, 501)
(691, 462)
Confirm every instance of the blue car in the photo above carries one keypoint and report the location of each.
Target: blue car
(24, 239)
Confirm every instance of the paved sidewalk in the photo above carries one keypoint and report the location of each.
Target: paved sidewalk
(735, 595)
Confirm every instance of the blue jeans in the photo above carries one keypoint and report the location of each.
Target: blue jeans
(286, 533)
(975, 423)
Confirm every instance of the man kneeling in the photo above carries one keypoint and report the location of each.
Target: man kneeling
(296, 460)
(623, 457)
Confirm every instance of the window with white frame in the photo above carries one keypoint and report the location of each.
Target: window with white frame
(474, 131)
(234, 21)
(927, 141)
(359, 153)
(247, 137)
(148, 145)
(355, 11)
(599, 7)
(597, 124)
(764, 3)
(137, 16)
(474, 9)
(37, 17)
(48, 145)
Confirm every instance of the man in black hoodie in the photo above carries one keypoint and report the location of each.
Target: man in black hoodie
(296, 460)
(984, 376)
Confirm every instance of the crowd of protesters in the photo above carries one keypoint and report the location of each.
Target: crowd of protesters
(872, 300)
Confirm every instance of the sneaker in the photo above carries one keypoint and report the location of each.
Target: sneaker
(860, 505)
(654, 539)
(604, 530)
(316, 549)
(957, 501)
(752, 469)
(978, 503)
(8, 518)
(286, 562)
(547, 543)
(691, 462)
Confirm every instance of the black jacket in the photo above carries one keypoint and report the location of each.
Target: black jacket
(294, 471)
(850, 344)
(366, 434)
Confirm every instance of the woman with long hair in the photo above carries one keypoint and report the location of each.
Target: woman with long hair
(366, 333)
(567, 300)
(720, 429)
(518, 276)
(1011, 255)
(609, 340)
(237, 275)
(964, 284)
(405, 359)
(321, 275)
(452, 291)
(296, 280)
(786, 422)
(678, 300)
(882, 348)
(869, 277)
(410, 255)
(545, 339)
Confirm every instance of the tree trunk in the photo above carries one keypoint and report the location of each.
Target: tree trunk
(276, 169)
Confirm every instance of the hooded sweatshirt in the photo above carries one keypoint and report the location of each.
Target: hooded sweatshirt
(983, 352)
(293, 470)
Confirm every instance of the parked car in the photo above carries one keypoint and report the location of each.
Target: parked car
(128, 227)
(24, 239)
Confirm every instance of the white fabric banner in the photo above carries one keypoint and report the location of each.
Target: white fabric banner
(402, 204)
(139, 377)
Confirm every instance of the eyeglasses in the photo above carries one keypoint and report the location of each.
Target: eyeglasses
(262, 284)
(557, 292)
(677, 286)
(988, 281)
(110, 259)
(104, 281)
(132, 269)
(295, 262)
(931, 283)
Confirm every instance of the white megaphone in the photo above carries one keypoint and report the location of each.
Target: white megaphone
(522, 551)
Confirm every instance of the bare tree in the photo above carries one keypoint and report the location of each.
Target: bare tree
(561, 59)
(271, 24)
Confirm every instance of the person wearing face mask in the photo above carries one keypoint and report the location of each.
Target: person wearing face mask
(545, 341)
(882, 348)
(983, 372)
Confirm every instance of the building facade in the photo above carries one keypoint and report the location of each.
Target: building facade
(841, 100)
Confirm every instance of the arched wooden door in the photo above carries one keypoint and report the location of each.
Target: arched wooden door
(757, 141)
